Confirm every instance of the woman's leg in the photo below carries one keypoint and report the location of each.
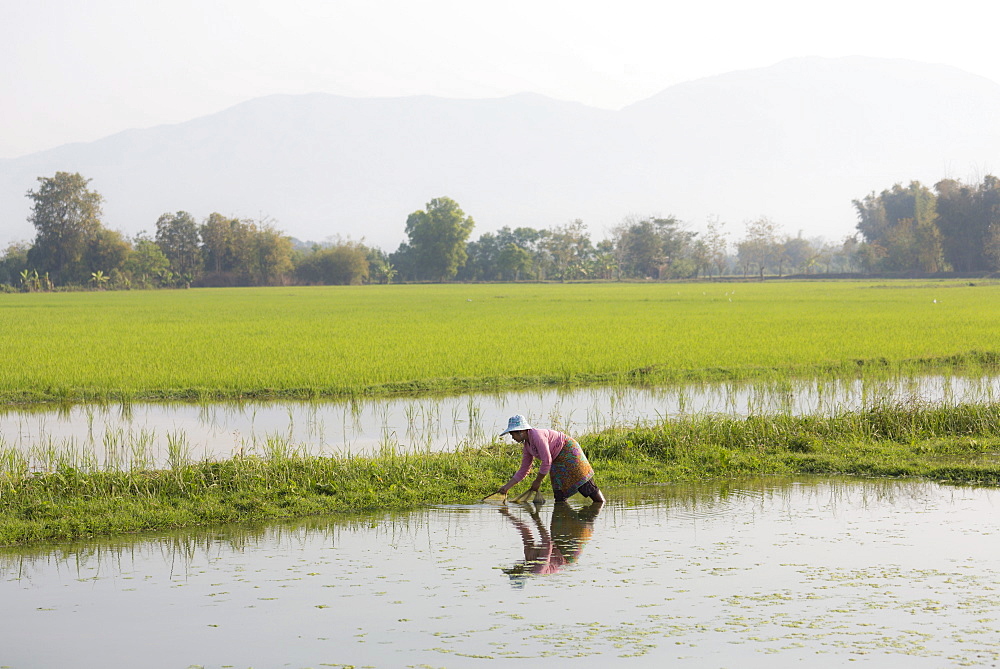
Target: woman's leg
(590, 489)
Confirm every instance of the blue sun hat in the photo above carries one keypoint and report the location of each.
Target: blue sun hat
(515, 423)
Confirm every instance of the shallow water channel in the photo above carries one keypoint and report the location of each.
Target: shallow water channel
(756, 573)
(158, 434)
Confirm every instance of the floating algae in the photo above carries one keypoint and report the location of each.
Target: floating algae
(740, 573)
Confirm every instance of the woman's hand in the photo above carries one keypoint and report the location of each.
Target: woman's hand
(537, 483)
(492, 496)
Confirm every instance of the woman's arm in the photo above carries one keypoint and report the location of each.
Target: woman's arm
(540, 443)
(539, 479)
(526, 459)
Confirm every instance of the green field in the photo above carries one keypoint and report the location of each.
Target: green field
(309, 342)
(326, 341)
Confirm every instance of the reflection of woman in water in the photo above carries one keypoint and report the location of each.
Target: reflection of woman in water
(559, 456)
(557, 546)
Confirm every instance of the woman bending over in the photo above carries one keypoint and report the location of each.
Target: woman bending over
(560, 457)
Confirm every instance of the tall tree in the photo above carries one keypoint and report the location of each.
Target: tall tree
(638, 248)
(992, 247)
(13, 260)
(798, 253)
(269, 258)
(654, 248)
(990, 198)
(716, 241)
(604, 263)
(501, 255)
(570, 249)
(217, 235)
(343, 263)
(967, 217)
(760, 249)
(404, 262)
(531, 240)
(66, 215)
(438, 236)
(903, 223)
(146, 264)
(513, 262)
(482, 258)
(380, 268)
(244, 252)
(107, 251)
(178, 238)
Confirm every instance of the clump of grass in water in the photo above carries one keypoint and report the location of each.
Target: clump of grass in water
(141, 449)
(388, 444)
(114, 449)
(65, 502)
(277, 447)
(178, 450)
(13, 466)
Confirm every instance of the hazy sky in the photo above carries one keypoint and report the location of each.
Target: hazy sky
(78, 70)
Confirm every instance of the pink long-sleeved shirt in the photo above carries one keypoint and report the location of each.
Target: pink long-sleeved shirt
(542, 444)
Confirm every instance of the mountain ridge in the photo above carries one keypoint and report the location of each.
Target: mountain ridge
(796, 142)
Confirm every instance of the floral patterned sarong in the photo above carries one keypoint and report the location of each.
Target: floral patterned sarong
(570, 469)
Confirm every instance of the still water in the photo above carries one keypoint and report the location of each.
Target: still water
(757, 573)
(115, 435)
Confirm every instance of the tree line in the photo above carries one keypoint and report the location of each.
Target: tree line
(72, 247)
(954, 227)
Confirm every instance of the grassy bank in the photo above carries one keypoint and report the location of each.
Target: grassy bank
(307, 342)
(958, 444)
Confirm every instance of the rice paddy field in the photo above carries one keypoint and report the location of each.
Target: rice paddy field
(279, 343)
(729, 537)
(379, 340)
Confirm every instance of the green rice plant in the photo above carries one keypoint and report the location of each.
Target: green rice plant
(114, 449)
(278, 447)
(50, 455)
(13, 466)
(86, 458)
(178, 450)
(141, 449)
(307, 341)
(388, 444)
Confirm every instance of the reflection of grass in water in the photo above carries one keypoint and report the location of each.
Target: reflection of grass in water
(837, 613)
